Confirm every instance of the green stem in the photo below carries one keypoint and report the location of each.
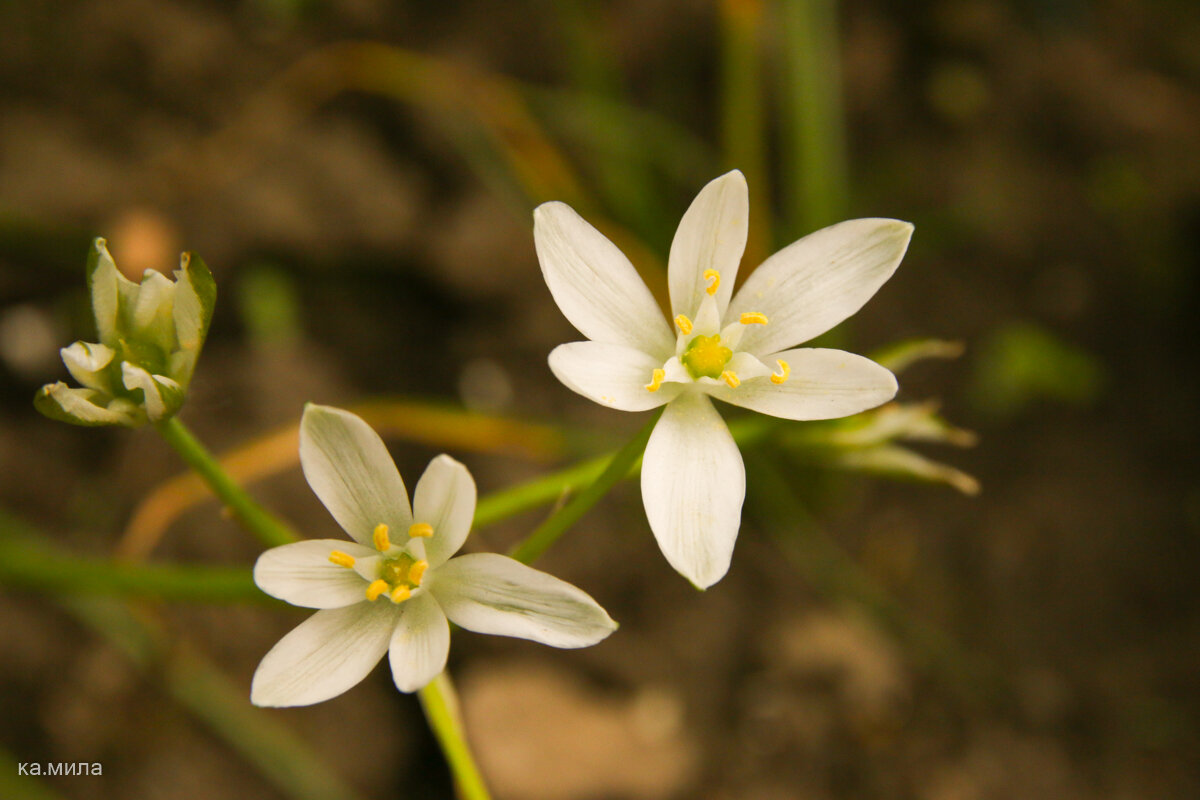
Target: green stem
(29, 560)
(815, 141)
(440, 704)
(271, 530)
(546, 534)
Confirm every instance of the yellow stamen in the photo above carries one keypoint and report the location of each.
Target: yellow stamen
(656, 380)
(341, 559)
(781, 376)
(377, 588)
(715, 280)
(382, 542)
(753, 318)
(417, 571)
(731, 378)
(422, 529)
(685, 324)
(401, 594)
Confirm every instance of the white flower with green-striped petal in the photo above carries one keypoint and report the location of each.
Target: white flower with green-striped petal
(392, 589)
(735, 348)
(150, 338)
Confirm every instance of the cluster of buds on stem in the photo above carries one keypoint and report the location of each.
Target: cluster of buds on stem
(150, 338)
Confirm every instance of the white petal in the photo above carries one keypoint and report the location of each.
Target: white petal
(815, 283)
(85, 406)
(85, 361)
(711, 235)
(153, 312)
(134, 377)
(693, 484)
(746, 367)
(302, 574)
(420, 643)
(348, 466)
(325, 655)
(195, 295)
(491, 593)
(103, 282)
(708, 318)
(824, 384)
(445, 498)
(610, 374)
(594, 284)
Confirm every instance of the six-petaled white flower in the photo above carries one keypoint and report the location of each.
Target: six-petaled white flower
(150, 338)
(733, 348)
(392, 589)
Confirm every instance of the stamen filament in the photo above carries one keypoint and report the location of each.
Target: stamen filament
(656, 380)
(417, 571)
(731, 378)
(421, 529)
(377, 588)
(784, 371)
(400, 594)
(714, 279)
(685, 324)
(382, 542)
(341, 559)
(753, 318)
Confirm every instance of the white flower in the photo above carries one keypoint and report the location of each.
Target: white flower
(693, 480)
(150, 337)
(393, 588)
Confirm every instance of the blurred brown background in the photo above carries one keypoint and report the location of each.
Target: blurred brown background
(366, 214)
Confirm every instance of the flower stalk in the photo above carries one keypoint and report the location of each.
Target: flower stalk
(439, 703)
(269, 529)
(531, 547)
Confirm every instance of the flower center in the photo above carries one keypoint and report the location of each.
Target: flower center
(706, 357)
(398, 575)
(397, 578)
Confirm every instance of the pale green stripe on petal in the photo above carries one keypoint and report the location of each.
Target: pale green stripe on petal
(349, 468)
(195, 297)
(693, 485)
(491, 593)
(420, 643)
(79, 407)
(610, 374)
(325, 655)
(594, 284)
(302, 574)
(815, 283)
(823, 384)
(103, 280)
(711, 235)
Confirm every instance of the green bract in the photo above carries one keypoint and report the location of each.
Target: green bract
(150, 337)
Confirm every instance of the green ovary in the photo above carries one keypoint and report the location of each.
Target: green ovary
(706, 357)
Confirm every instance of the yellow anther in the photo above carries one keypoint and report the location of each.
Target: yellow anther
(714, 279)
(341, 559)
(400, 594)
(382, 542)
(781, 376)
(417, 571)
(422, 529)
(656, 380)
(753, 318)
(730, 377)
(376, 588)
(685, 324)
